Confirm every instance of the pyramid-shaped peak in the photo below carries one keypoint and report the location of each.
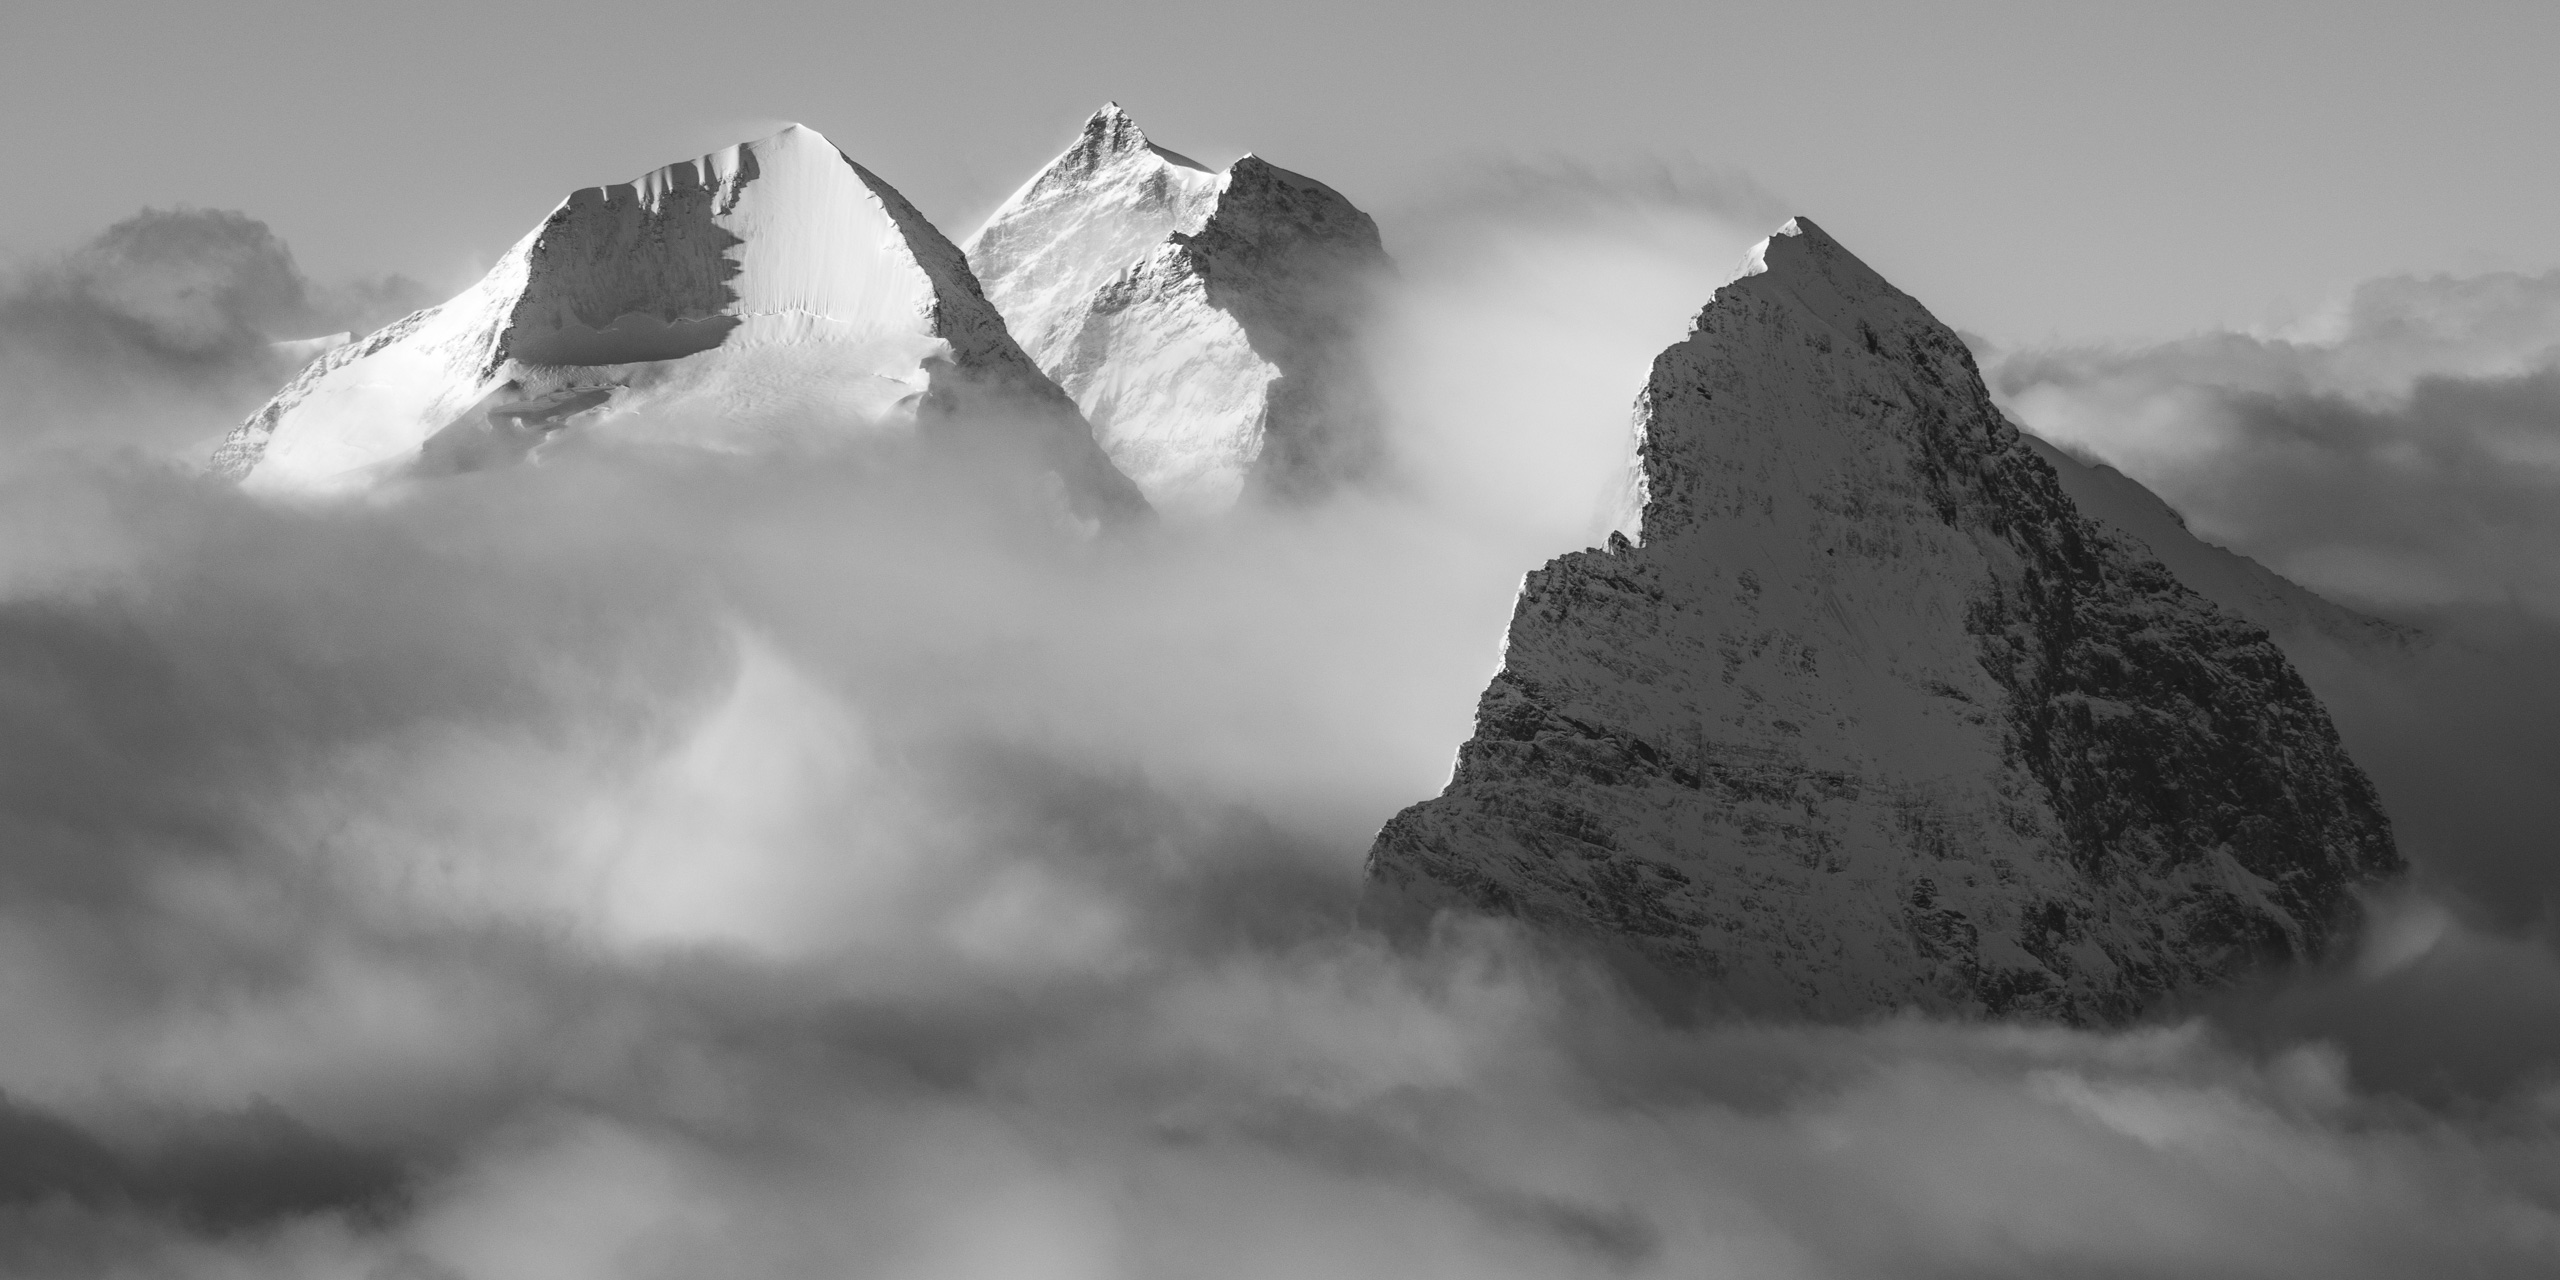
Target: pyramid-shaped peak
(1111, 135)
(796, 135)
(1801, 246)
(1112, 130)
(683, 295)
(1802, 262)
(1853, 569)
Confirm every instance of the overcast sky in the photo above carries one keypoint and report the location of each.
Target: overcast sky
(2038, 171)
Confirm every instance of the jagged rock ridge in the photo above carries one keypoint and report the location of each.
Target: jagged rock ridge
(1872, 717)
(1205, 322)
(770, 288)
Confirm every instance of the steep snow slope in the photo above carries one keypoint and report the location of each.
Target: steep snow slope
(768, 287)
(1203, 321)
(1872, 716)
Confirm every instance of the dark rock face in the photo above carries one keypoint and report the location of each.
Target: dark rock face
(631, 272)
(1293, 261)
(1873, 718)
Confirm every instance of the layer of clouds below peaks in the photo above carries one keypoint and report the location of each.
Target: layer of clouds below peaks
(648, 864)
(163, 324)
(2401, 452)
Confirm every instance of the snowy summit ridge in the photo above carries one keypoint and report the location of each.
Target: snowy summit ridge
(770, 287)
(1871, 716)
(1204, 321)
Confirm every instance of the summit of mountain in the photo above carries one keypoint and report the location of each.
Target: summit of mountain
(1871, 715)
(770, 290)
(1205, 321)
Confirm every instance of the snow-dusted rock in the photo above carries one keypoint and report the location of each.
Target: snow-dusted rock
(769, 288)
(1203, 321)
(1871, 716)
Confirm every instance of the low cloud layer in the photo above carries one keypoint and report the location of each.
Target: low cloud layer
(2402, 451)
(162, 324)
(652, 864)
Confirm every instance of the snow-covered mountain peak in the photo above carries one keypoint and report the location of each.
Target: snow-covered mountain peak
(1174, 304)
(1087, 216)
(777, 240)
(772, 289)
(1108, 135)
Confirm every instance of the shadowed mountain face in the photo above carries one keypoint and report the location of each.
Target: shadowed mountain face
(1872, 717)
(634, 272)
(1205, 321)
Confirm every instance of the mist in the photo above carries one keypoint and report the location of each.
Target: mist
(653, 863)
(2400, 450)
(164, 327)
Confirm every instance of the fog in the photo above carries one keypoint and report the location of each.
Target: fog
(160, 329)
(652, 863)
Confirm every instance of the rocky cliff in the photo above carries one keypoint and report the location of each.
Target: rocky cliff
(1871, 716)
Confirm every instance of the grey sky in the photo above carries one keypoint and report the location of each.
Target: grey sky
(2035, 170)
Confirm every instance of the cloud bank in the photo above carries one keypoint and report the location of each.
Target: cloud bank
(655, 864)
(2403, 450)
(161, 323)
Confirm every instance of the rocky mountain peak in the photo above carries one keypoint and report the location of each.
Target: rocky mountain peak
(1872, 717)
(1110, 146)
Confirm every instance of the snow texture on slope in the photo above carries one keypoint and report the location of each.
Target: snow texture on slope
(1203, 321)
(769, 287)
(1872, 717)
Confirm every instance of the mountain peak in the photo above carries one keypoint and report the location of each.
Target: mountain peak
(683, 295)
(1110, 136)
(1803, 263)
(1874, 717)
(1202, 320)
(1111, 131)
(795, 136)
